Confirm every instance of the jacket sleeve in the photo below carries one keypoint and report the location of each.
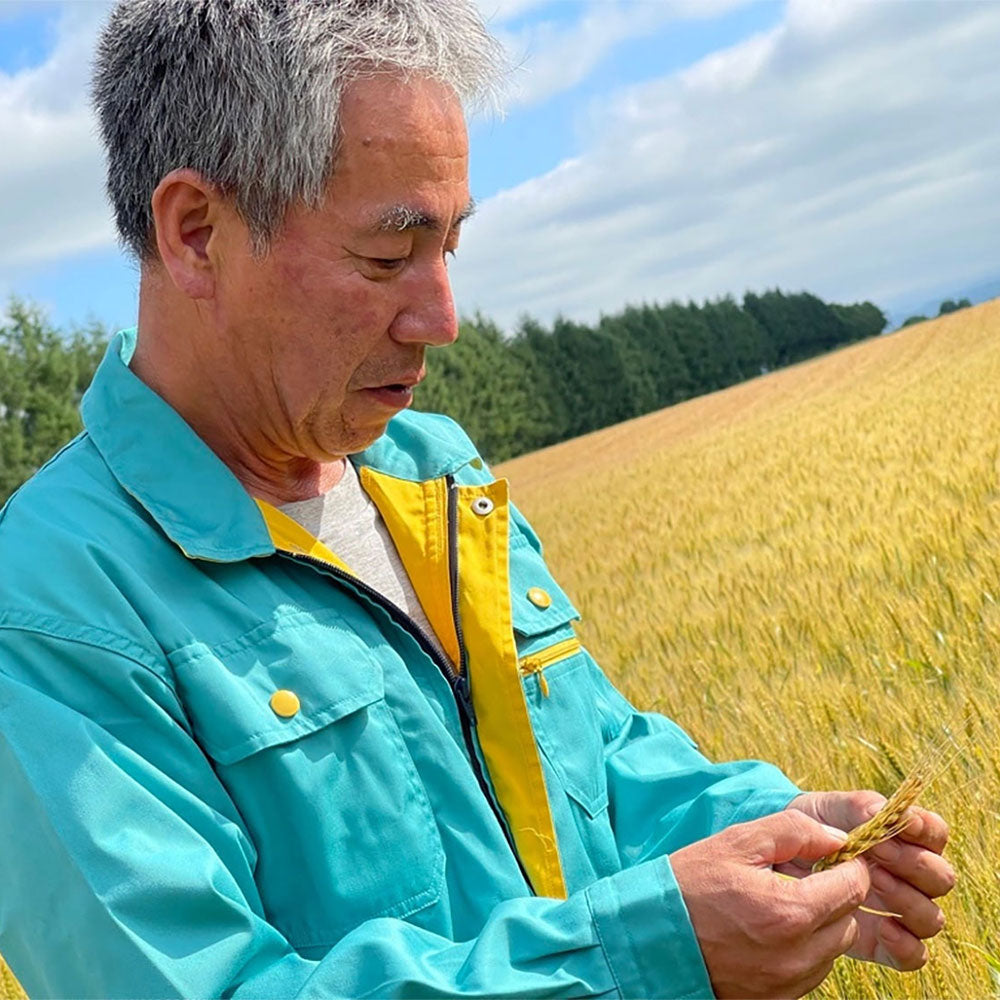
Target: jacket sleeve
(663, 793)
(126, 871)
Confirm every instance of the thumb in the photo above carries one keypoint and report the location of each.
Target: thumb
(792, 834)
(844, 810)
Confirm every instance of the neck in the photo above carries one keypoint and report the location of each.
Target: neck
(174, 356)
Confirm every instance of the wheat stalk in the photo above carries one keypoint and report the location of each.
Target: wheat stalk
(893, 817)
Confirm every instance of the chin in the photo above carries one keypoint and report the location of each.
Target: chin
(359, 439)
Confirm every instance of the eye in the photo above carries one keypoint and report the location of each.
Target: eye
(448, 254)
(386, 264)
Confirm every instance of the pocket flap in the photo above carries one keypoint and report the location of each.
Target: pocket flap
(228, 688)
(530, 578)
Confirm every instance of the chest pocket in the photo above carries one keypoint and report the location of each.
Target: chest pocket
(560, 693)
(294, 717)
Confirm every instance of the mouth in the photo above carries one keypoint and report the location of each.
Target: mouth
(397, 395)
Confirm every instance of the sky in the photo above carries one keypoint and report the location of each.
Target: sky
(649, 150)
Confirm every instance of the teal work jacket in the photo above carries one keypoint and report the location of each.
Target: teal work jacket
(230, 769)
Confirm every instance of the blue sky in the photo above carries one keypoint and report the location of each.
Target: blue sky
(534, 139)
(652, 149)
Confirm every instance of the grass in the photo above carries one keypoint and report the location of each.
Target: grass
(806, 568)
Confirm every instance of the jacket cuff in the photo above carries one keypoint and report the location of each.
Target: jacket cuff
(646, 934)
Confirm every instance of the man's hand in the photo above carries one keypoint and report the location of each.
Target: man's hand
(762, 935)
(907, 873)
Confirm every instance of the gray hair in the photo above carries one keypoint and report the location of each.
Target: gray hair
(247, 93)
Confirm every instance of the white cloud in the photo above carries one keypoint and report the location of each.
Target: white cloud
(53, 204)
(552, 57)
(851, 151)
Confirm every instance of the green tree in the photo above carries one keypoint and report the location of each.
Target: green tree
(43, 375)
(771, 311)
(533, 346)
(593, 375)
(950, 306)
(861, 320)
(657, 373)
(800, 325)
(698, 345)
(745, 343)
(489, 389)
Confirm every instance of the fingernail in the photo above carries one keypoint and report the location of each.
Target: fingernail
(872, 808)
(834, 832)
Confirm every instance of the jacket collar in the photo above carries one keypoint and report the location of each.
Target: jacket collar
(190, 493)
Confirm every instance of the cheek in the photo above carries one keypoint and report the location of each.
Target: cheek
(332, 297)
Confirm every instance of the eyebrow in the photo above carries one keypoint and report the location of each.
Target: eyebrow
(401, 218)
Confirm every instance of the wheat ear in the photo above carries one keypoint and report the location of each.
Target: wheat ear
(884, 825)
(892, 818)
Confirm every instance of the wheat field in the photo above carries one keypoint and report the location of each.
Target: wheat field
(806, 568)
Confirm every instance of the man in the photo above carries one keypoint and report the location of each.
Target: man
(290, 704)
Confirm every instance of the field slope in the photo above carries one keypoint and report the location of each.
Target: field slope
(806, 567)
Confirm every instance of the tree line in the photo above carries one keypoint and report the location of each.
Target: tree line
(948, 306)
(512, 394)
(43, 375)
(547, 384)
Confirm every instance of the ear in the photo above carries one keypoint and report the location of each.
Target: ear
(187, 211)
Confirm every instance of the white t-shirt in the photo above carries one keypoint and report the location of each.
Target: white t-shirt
(348, 523)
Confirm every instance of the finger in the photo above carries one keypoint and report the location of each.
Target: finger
(843, 810)
(823, 948)
(783, 836)
(898, 948)
(926, 829)
(921, 868)
(830, 895)
(918, 914)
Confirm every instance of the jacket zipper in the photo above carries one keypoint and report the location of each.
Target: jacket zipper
(536, 663)
(460, 685)
(457, 682)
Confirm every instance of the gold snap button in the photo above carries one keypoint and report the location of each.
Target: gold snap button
(476, 463)
(285, 703)
(539, 597)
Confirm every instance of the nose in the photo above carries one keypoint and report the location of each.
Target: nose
(428, 313)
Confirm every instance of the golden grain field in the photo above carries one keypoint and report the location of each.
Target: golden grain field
(806, 568)
(10, 988)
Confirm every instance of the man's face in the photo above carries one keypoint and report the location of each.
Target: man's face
(330, 328)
